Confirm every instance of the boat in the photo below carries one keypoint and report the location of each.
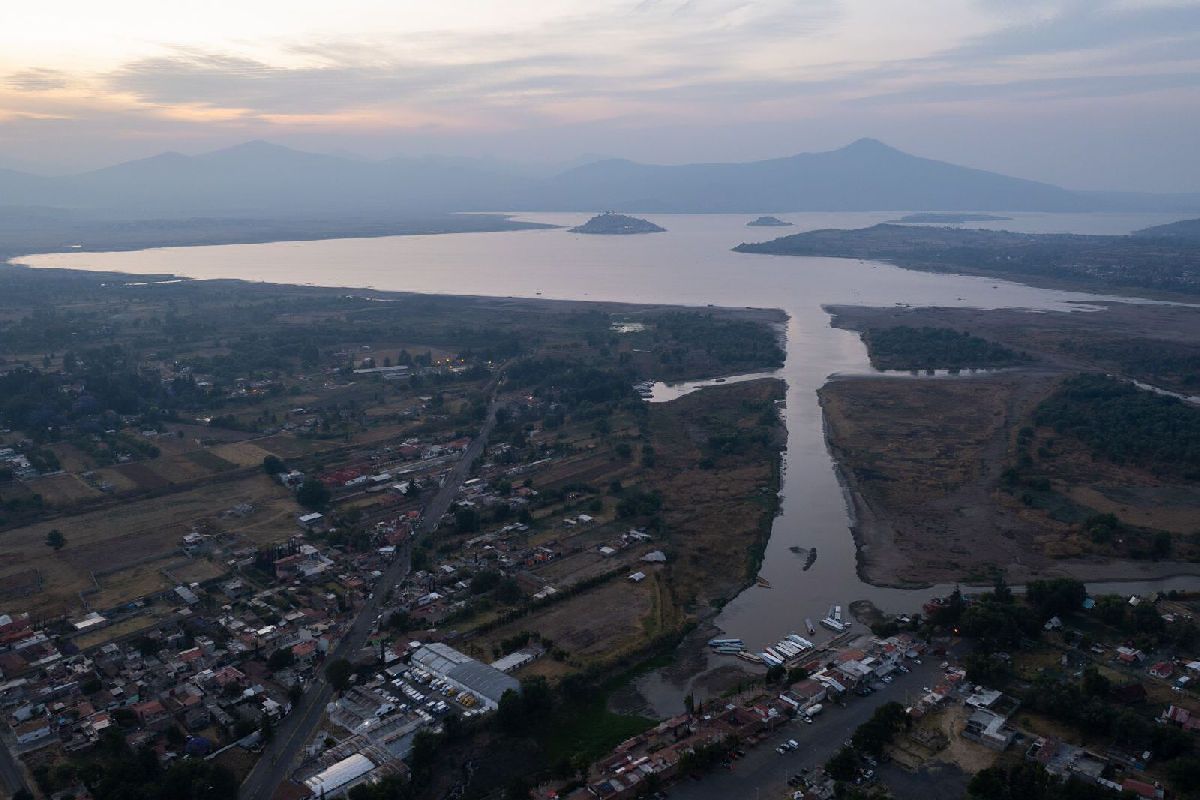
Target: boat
(770, 660)
(753, 658)
(774, 654)
(808, 624)
(729, 649)
(800, 641)
(833, 620)
(763, 582)
(719, 642)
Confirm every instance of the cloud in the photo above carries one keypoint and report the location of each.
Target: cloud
(37, 80)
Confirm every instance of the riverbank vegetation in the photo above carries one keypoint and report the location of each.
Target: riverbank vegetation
(1125, 424)
(908, 348)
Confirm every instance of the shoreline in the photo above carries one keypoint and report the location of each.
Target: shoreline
(881, 563)
(269, 231)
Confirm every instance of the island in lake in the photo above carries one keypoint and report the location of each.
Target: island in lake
(613, 224)
(767, 222)
(947, 218)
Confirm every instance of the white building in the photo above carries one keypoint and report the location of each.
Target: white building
(340, 777)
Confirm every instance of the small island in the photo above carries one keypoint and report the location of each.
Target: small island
(612, 224)
(937, 218)
(768, 222)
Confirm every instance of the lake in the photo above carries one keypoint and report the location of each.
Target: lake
(689, 264)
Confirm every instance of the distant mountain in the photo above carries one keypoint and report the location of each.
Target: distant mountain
(258, 179)
(1183, 229)
(263, 179)
(864, 176)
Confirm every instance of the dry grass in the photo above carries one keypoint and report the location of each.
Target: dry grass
(63, 490)
(145, 532)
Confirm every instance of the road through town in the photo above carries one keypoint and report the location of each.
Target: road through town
(279, 756)
(763, 772)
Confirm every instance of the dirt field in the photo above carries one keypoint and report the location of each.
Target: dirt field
(922, 457)
(615, 613)
(712, 512)
(923, 461)
(63, 490)
(131, 542)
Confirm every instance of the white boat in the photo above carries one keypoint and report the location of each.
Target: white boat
(719, 642)
(770, 660)
(774, 654)
(808, 624)
(753, 658)
(800, 641)
(834, 620)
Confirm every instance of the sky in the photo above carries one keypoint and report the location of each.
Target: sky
(1089, 94)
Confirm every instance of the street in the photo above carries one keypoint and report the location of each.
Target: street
(764, 772)
(279, 756)
(10, 773)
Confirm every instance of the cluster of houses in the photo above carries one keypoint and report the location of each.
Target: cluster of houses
(230, 656)
(18, 463)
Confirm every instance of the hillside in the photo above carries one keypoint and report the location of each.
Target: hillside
(1183, 229)
(259, 179)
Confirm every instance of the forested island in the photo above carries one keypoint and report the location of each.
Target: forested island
(1155, 263)
(768, 222)
(612, 224)
(948, 217)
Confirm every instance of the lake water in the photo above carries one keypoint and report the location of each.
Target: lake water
(690, 264)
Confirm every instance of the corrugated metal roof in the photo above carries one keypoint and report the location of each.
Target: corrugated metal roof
(480, 678)
(334, 777)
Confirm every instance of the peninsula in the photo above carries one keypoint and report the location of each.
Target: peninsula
(938, 218)
(1139, 264)
(612, 224)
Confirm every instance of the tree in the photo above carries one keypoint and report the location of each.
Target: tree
(1001, 593)
(312, 494)
(273, 465)
(1095, 684)
(56, 540)
(484, 581)
(466, 520)
(281, 659)
(339, 671)
(1056, 597)
(843, 765)
(1111, 609)
(507, 591)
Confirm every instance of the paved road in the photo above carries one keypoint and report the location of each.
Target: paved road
(764, 772)
(278, 757)
(10, 774)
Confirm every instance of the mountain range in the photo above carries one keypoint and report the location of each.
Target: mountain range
(259, 179)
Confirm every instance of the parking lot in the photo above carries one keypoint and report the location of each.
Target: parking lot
(764, 772)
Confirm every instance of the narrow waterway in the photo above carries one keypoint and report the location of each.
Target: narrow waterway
(689, 264)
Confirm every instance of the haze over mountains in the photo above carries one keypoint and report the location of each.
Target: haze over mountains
(261, 179)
